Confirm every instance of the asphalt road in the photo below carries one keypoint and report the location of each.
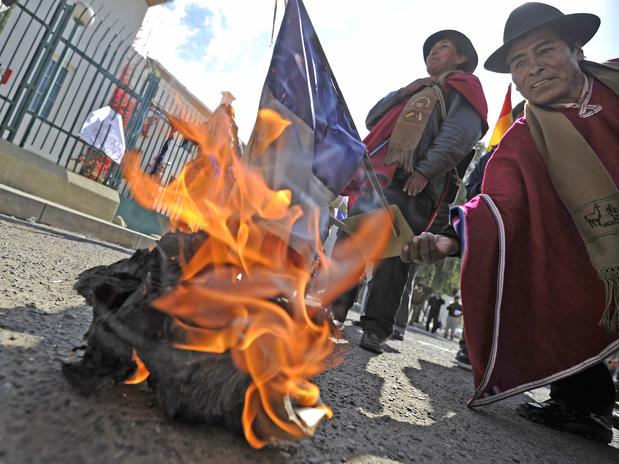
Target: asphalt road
(407, 405)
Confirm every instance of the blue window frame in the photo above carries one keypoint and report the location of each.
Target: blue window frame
(46, 109)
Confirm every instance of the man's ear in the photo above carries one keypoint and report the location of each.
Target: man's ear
(580, 55)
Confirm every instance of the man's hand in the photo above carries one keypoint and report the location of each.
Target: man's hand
(428, 248)
(415, 183)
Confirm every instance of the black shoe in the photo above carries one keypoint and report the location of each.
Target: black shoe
(559, 416)
(462, 360)
(615, 419)
(371, 342)
(397, 335)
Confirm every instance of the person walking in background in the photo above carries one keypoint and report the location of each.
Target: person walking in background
(418, 301)
(454, 317)
(435, 303)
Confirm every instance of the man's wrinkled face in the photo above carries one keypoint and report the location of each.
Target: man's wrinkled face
(544, 69)
(443, 57)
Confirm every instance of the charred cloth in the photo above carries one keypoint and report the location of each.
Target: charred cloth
(189, 385)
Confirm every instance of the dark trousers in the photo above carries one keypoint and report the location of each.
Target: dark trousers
(405, 310)
(462, 343)
(433, 317)
(390, 274)
(591, 390)
(385, 295)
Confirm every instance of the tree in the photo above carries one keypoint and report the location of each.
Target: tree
(442, 277)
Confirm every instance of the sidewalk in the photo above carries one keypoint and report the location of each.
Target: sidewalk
(22, 205)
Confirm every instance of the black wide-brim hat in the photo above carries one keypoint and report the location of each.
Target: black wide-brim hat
(580, 27)
(466, 47)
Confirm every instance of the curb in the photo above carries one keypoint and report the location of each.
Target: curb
(22, 205)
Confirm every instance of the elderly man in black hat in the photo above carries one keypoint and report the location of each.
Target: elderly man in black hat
(418, 136)
(540, 245)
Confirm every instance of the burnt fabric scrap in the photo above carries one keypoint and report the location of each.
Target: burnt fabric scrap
(189, 385)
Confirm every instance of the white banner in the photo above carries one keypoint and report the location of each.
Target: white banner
(103, 129)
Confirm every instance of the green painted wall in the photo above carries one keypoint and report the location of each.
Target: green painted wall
(141, 219)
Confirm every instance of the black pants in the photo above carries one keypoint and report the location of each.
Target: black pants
(462, 343)
(405, 310)
(591, 390)
(384, 297)
(432, 317)
(391, 274)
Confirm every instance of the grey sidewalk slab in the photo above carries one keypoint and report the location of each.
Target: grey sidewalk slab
(22, 205)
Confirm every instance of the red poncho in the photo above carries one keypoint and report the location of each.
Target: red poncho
(545, 325)
(465, 83)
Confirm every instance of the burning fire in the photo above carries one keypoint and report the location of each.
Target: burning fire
(245, 290)
(140, 374)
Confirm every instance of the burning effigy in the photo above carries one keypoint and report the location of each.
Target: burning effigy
(226, 319)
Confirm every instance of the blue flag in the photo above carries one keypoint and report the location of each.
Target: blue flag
(318, 153)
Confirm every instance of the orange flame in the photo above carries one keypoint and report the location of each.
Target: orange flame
(226, 299)
(140, 374)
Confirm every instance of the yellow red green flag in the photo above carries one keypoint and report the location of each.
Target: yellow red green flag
(505, 119)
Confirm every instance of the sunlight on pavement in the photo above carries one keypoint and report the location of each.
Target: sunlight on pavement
(17, 339)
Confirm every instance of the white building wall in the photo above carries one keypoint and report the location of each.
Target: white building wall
(126, 13)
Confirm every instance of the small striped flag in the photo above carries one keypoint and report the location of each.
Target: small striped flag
(505, 119)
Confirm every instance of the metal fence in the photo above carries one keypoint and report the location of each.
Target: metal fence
(58, 64)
